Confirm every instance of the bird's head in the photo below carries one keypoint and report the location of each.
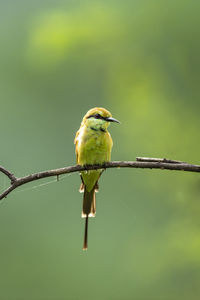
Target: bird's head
(98, 118)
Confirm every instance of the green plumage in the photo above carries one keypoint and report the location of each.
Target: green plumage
(95, 148)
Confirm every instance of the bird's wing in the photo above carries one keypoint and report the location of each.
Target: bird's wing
(76, 136)
(76, 143)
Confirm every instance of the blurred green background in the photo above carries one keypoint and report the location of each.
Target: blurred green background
(140, 60)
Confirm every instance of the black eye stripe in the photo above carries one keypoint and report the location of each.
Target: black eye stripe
(91, 116)
(97, 116)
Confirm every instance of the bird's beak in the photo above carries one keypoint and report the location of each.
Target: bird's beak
(112, 120)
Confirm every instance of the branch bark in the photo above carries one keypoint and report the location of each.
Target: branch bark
(141, 162)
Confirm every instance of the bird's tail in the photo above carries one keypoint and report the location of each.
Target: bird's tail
(89, 210)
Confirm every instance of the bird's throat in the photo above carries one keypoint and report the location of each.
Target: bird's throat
(100, 129)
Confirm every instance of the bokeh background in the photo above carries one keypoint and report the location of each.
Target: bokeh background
(140, 60)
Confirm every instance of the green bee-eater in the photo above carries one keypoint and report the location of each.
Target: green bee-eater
(93, 146)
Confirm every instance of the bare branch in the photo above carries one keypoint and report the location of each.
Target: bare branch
(142, 162)
(8, 174)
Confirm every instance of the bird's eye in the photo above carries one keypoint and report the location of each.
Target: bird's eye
(97, 116)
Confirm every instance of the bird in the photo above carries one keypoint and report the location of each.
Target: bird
(93, 145)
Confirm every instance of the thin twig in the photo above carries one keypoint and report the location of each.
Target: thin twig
(143, 163)
(153, 159)
(8, 174)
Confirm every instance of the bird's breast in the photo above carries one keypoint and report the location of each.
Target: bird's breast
(94, 147)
